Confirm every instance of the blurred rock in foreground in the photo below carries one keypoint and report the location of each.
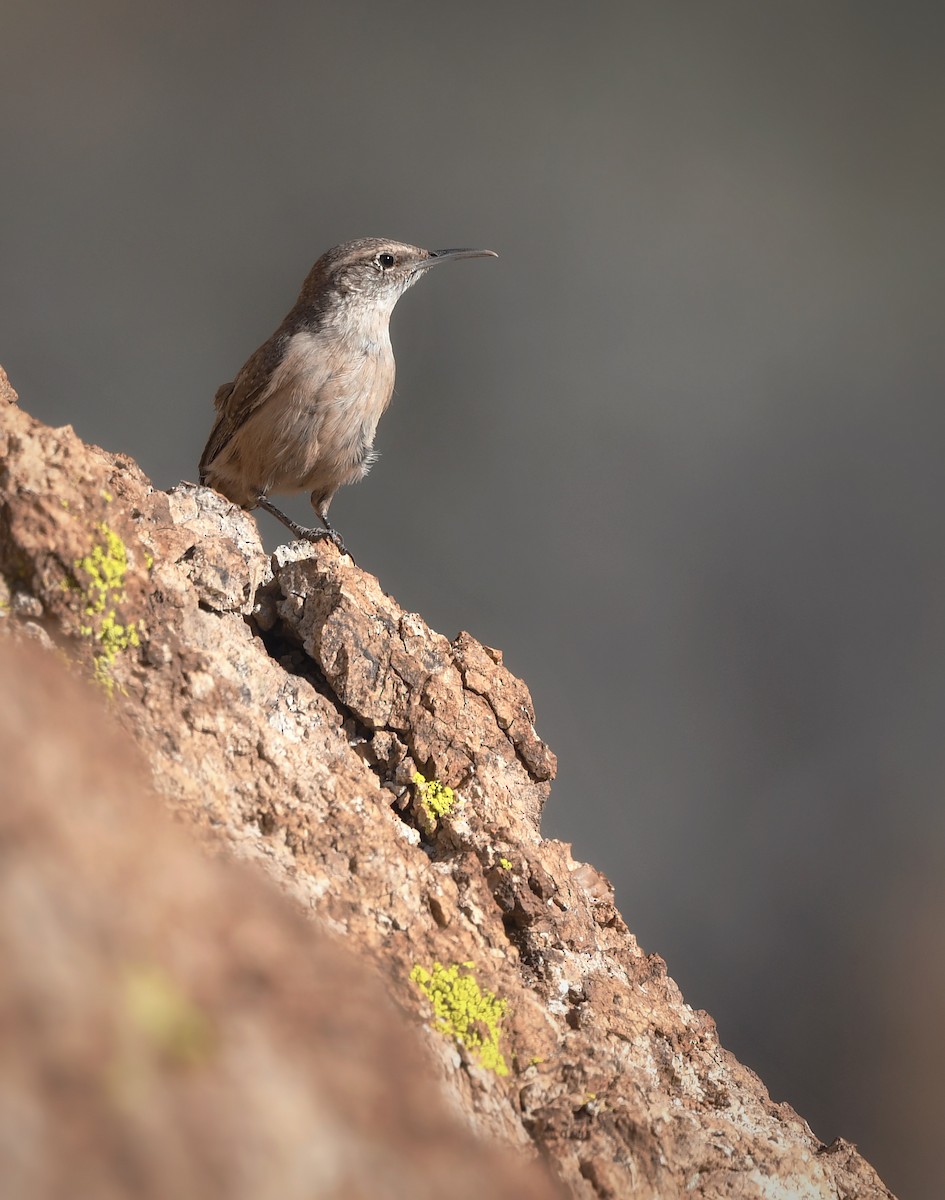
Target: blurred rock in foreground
(439, 996)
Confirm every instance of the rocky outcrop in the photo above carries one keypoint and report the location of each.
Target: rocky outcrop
(390, 781)
(172, 1026)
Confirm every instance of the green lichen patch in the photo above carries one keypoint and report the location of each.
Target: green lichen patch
(436, 799)
(101, 578)
(462, 1010)
(167, 1022)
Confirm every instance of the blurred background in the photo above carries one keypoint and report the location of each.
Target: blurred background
(677, 452)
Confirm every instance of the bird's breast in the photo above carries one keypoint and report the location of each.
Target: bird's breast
(355, 397)
(332, 386)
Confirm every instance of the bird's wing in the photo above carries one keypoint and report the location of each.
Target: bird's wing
(235, 402)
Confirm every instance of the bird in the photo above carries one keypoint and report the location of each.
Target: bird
(301, 415)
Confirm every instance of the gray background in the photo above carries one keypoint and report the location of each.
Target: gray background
(677, 452)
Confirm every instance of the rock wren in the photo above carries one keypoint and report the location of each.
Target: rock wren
(301, 414)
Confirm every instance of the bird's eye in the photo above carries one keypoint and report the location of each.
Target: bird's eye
(385, 260)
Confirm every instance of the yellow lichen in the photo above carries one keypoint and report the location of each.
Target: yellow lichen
(105, 569)
(436, 799)
(166, 1020)
(505, 864)
(463, 1011)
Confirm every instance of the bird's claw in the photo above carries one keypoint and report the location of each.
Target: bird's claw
(319, 535)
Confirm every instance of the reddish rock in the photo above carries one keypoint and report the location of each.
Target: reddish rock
(283, 707)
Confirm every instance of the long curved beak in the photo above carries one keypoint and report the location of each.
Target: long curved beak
(438, 256)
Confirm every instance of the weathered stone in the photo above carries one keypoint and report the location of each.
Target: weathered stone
(172, 1025)
(284, 707)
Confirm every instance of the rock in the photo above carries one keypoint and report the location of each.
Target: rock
(173, 1025)
(391, 781)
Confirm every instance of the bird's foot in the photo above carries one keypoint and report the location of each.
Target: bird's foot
(302, 531)
(319, 535)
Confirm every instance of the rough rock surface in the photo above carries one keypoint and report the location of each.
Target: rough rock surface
(285, 707)
(172, 1026)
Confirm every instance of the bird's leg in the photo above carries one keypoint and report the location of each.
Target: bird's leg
(320, 502)
(332, 532)
(300, 531)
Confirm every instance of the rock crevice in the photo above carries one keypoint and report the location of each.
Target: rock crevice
(285, 706)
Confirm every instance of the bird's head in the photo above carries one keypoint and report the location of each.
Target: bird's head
(374, 271)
